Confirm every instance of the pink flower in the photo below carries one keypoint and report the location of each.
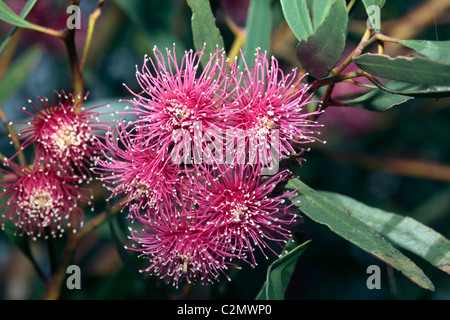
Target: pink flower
(40, 199)
(178, 248)
(145, 175)
(239, 208)
(175, 96)
(266, 99)
(64, 133)
(197, 218)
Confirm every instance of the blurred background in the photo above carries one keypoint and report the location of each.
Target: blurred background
(398, 160)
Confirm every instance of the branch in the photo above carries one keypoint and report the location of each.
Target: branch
(405, 167)
(239, 39)
(92, 21)
(77, 76)
(54, 287)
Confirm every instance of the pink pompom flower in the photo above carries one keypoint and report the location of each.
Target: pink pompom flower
(239, 206)
(176, 96)
(144, 175)
(178, 248)
(64, 133)
(39, 199)
(266, 99)
(195, 219)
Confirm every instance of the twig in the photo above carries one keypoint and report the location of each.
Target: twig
(239, 39)
(350, 5)
(405, 167)
(54, 287)
(337, 78)
(49, 31)
(92, 21)
(77, 76)
(51, 254)
(359, 48)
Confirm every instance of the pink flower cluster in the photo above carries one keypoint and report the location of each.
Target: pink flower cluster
(196, 219)
(43, 199)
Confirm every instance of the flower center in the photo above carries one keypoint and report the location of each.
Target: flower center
(239, 212)
(141, 187)
(186, 260)
(39, 203)
(177, 112)
(263, 125)
(65, 137)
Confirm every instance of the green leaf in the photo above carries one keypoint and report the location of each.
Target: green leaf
(280, 273)
(23, 14)
(415, 90)
(319, 10)
(409, 69)
(373, 8)
(17, 73)
(297, 17)
(376, 100)
(204, 29)
(258, 29)
(7, 15)
(438, 50)
(322, 50)
(262, 293)
(405, 232)
(324, 211)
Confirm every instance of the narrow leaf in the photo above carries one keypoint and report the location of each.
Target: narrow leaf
(297, 17)
(376, 100)
(280, 273)
(438, 50)
(258, 29)
(23, 14)
(262, 293)
(416, 90)
(340, 221)
(9, 16)
(405, 232)
(322, 50)
(205, 32)
(319, 10)
(414, 70)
